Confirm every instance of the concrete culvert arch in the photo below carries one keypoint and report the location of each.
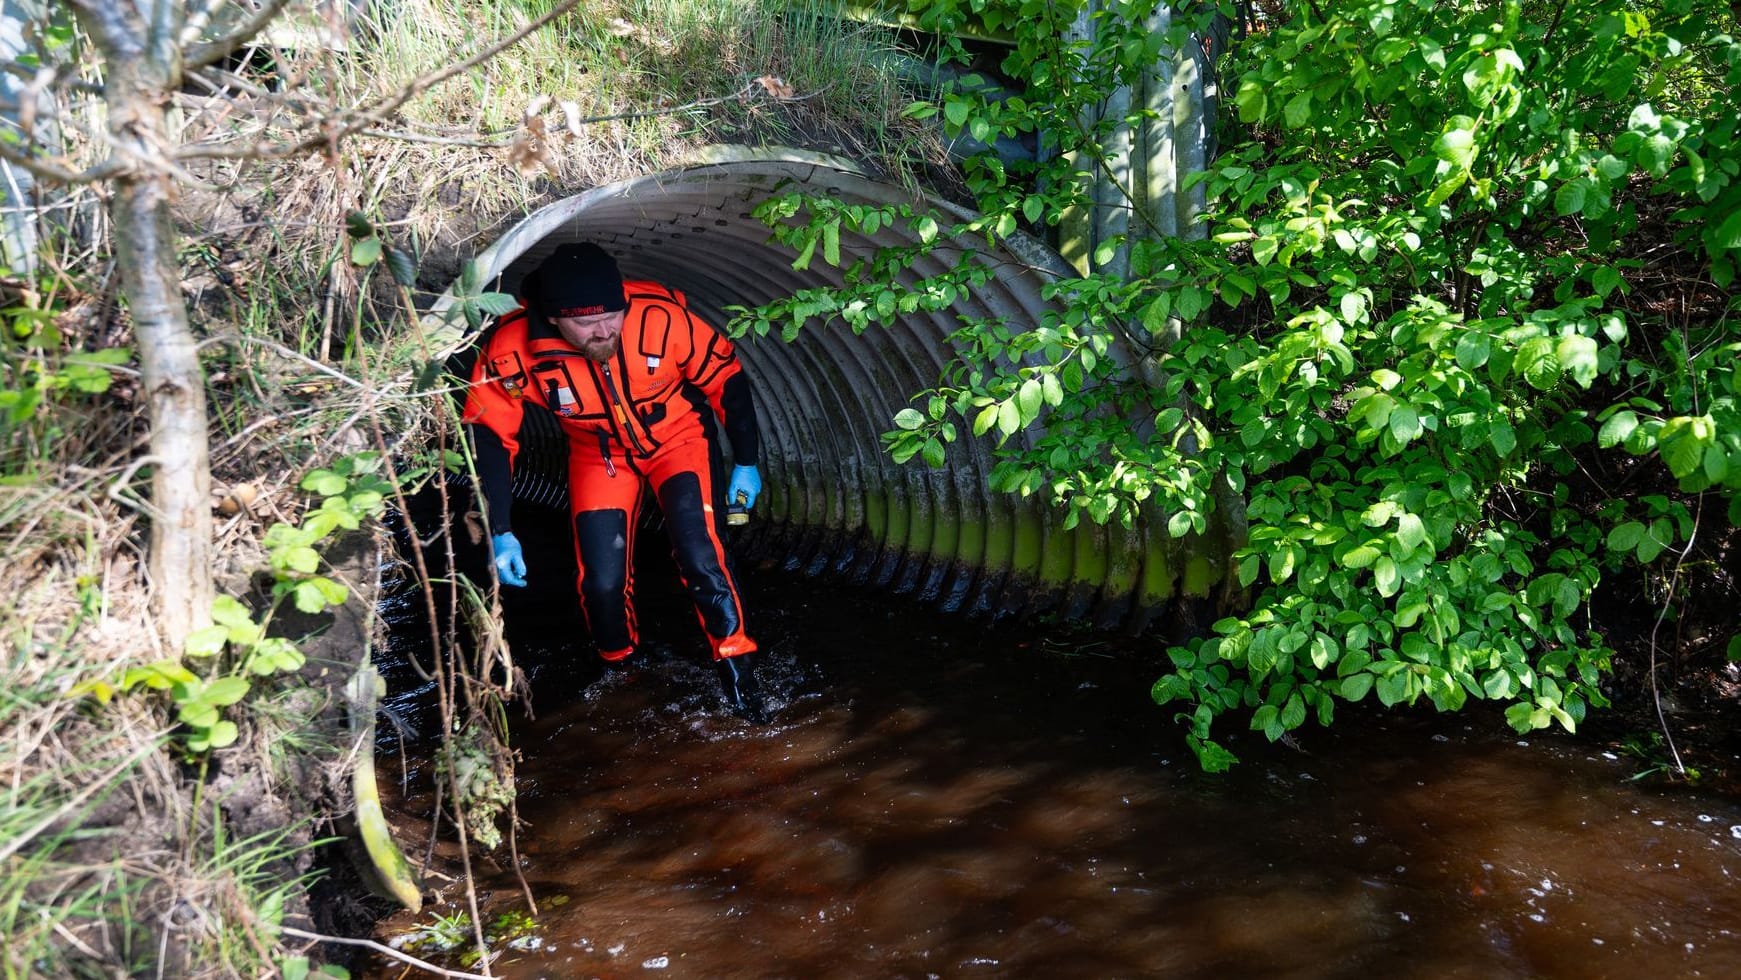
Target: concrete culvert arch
(834, 502)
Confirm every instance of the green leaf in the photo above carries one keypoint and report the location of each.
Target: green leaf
(1028, 399)
(301, 559)
(1393, 689)
(308, 598)
(226, 690)
(402, 266)
(986, 418)
(934, 453)
(325, 482)
(1625, 537)
(1410, 532)
(1360, 557)
(831, 243)
(1404, 423)
(1378, 514)
(1727, 235)
(1192, 301)
(910, 419)
(1716, 464)
(1355, 686)
(1473, 349)
(1682, 443)
(1577, 355)
(207, 642)
(1569, 199)
(1456, 145)
(365, 251)
(1536, 361)
(497, 304)
(1264, 718)
(1616, 429)
(1656, 540)
(1386, 576)
(1294, 712)
(1606, 279)
(198, 714)
(1281, 565)
(1503, 438)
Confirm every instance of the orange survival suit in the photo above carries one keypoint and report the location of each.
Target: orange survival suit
(645, 418)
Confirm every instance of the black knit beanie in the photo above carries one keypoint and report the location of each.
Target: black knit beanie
(580, 279)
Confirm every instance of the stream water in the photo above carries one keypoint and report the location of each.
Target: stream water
(946, 798)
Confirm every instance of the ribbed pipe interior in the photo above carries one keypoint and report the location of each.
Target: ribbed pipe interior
(834, 503)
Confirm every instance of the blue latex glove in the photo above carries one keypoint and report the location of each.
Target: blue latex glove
(746, 480)
(510, 559)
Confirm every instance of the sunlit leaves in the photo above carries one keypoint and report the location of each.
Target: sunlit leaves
(1392, 344)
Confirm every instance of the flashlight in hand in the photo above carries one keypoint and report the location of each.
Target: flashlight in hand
(745, 486)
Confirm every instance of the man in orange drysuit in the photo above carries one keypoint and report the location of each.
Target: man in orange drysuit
(635, 381)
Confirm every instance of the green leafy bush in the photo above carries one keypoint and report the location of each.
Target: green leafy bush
(1458, 255)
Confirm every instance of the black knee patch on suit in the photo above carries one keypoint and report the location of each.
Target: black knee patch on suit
(603, 537)
(691, 540)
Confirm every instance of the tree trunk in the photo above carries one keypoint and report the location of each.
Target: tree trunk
(145, 249)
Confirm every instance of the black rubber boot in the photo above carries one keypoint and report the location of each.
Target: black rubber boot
(743, 693)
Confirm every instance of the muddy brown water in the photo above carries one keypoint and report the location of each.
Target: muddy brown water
(945, 798)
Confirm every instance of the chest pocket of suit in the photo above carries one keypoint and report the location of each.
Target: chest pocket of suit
(655, 336)
(508, 369)
(553, 382)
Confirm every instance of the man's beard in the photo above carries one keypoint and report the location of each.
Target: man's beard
(601, 350)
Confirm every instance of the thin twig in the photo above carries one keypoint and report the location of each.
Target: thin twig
(333, 130)
(1662, 614)
(205, 54)
(119, 494)
(287, 352)
(384, 950)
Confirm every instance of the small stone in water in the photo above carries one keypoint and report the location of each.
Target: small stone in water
(656, 963)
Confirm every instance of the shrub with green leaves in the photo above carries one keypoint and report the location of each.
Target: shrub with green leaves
(1465, 263)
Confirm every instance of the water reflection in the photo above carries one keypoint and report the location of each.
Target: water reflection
(942, 799)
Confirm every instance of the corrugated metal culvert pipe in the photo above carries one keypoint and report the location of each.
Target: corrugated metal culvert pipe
(834, 503)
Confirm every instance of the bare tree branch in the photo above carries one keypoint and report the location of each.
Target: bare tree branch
(197, 21)
(50, 77)
(110, 26)
(49, 169)
(202, 55)
(333, 130)
(384, 950)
